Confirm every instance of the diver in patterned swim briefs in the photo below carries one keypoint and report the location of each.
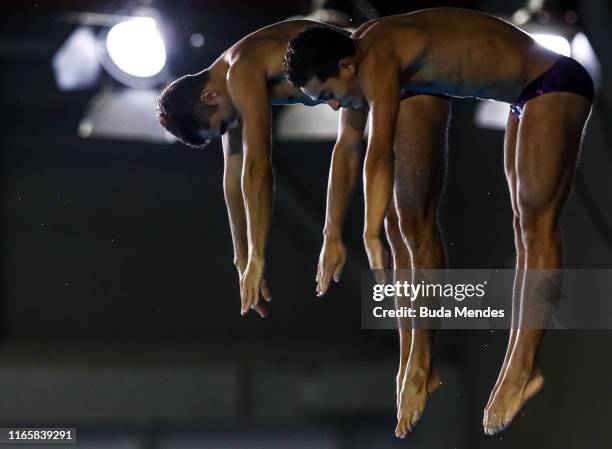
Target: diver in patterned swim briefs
(461, 53)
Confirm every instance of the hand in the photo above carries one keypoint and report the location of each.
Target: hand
(251, 284)
(265, 291)
(331, 263)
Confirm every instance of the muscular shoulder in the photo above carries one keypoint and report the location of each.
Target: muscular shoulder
(254, 52)
(247, 76)
(382, 32)
(393, 41)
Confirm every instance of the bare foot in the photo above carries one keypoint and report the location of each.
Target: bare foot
(411, 398)
(513, 391)
(502, 371)
(433, 382)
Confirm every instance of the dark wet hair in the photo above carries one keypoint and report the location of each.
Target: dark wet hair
(182, 112)
(316, 52)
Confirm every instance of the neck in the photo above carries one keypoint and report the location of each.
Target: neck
(358, 55)
(218, 74)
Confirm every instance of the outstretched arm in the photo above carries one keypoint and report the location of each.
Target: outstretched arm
(249, 93)
(381, 88)
(232, 173)
(343, 175)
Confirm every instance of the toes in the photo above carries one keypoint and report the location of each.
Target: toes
(406, 422)
(488, 419)
(400, 431)
(403, 426)
(494, 423)
(415, 417)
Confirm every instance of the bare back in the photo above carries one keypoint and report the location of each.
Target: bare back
(462, 53)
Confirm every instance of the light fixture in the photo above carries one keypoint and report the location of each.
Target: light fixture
(75, 64)
(133, 52)
(137, 47)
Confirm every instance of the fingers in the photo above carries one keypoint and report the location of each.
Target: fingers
(261, 310)
(319, 276)
(325, 278)
(323, 282)
(338, 271)
(249, 296)
(265, 291)
(244, 295)
(328, 272)
(248, 302)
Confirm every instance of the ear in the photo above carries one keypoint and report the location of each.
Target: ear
(209, 96)
(348, 63)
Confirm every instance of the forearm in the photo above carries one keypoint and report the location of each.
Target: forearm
(257, 188)
(237, 221)
(232, 190)
(341, 185)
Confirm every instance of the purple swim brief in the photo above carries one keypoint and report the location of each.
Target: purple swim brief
(565, 75)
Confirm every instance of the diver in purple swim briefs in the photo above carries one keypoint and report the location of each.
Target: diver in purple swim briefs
(461, 53)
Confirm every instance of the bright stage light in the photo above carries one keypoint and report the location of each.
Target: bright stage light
(75, 64)
(136, 47)
(553, 42)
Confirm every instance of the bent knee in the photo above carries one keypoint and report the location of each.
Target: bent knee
(538, 226)
(419, 228)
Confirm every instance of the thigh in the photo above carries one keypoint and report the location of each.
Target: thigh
(420, 152)
(549, 138)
